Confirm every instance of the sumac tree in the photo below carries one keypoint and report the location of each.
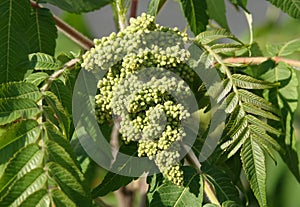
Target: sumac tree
(174, 118)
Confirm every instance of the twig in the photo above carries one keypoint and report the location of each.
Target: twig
(58, 73)
(69, 31)
(258, 60)
(143, 188)
(121, 11)
(134, 5)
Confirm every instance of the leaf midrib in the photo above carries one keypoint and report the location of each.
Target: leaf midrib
(8, 38)
(38, 30)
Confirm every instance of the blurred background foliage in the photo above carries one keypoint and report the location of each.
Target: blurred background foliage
(283, 189)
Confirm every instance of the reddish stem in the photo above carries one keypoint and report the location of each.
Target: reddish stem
(259, 60)
(134, 5)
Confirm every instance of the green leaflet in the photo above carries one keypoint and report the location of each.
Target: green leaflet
(289, 6)
(263, 125)
(32, 181)
(16, 137)
(230, 102)
(229, 49)
(217, 11)
(14, 44)
(79, 6)
(257, 101)
(69, 185)
(154, 6)
(24, 161)
(24, 132)
(18, 100)
(41, 61)
(247, 82)
(64, 168)
(19, 90)
(41, 32)
(252, 109)
(63, 93)
(37, 78)
(289, 47)
(57, 142)
(227, 84)
(13, 109)
(39, 197)
(195, 13)
(281, 49)
(61, 199)
(190, 194)
(255, 168)
(57, 111)
(213, 35)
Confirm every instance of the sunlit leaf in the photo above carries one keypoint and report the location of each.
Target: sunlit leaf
(41, 61)
(190, 194)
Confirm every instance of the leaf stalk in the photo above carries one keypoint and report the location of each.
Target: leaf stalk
(258, 60)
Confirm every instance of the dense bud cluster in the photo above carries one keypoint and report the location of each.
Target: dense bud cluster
(151, 106)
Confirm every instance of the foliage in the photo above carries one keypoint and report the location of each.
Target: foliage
(251, 105)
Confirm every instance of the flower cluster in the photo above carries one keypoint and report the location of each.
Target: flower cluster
(136, 87)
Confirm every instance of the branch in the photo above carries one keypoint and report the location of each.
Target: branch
(134, 5)
(69, 31)
(125, 197)
(258, 60)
